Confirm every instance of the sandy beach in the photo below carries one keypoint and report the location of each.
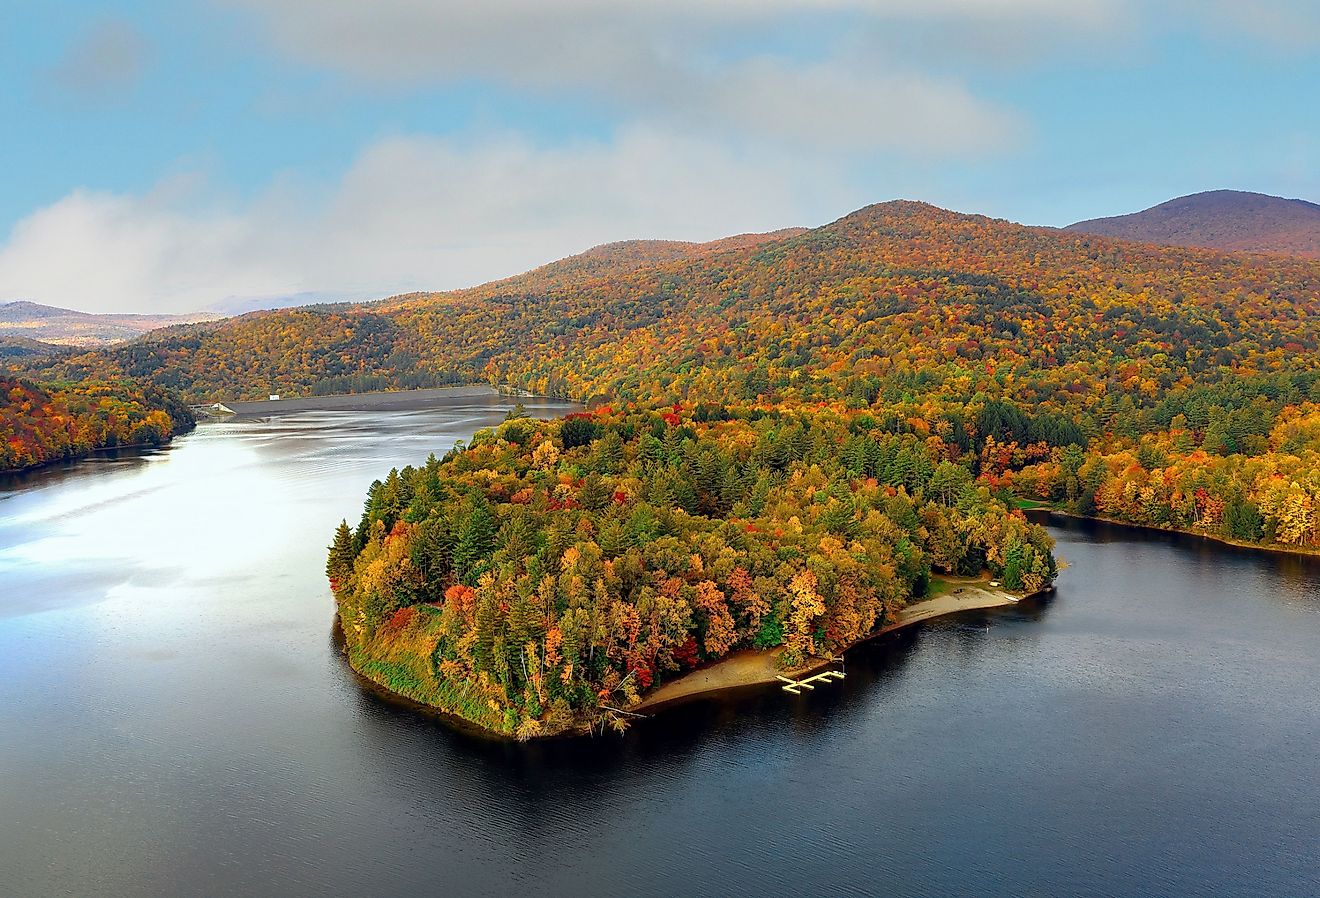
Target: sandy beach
(752, 667)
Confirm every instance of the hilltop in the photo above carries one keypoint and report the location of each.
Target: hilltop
(895, 299)
(1228, 220)
(66, 327)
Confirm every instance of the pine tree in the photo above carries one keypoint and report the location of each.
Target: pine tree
(340, 563)
(476, 539)
(594, 493)
(517, 539)
(526, 621)
(432, 553)
(609, 454)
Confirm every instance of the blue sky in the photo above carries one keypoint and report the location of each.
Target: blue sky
(185, 155)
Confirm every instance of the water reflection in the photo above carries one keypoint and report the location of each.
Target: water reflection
(1295, 576)
(178, 721)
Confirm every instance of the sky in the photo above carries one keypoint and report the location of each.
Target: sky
(181, 155)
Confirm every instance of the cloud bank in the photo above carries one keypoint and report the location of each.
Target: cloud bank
(727, 116)
(411, 213)
(803, 72)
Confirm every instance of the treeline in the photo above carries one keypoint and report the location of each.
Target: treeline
(1250, 478)
(549, 570)
(372, 383)
(43, 423)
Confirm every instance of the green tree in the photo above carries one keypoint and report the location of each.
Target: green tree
(476, 538)
(339, 565)
(948, 482)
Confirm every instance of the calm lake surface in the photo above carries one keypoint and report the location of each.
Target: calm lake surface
(177, 721)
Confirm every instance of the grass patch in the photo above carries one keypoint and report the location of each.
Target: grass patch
(1028, 504)
(399, 658)
(939, 587)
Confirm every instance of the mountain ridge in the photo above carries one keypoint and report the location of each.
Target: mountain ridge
(842, 307)
(1224, 220)
(24, 319)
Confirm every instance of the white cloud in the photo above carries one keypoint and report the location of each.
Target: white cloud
(698, 63)
(849, 107)
(411, 213)
(105, 62)
(1293, 24)
(571, 40)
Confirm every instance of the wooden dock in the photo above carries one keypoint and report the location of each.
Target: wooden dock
(796, 686)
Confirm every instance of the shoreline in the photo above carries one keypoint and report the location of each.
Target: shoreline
(756, 667)
(99, 450)
(376, 400)
(454, 722)
(1277, 548)
(741, 670)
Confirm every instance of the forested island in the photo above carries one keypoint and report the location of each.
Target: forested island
(546, 575)
(45, 423)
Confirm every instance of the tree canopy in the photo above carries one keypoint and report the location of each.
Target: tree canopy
(549, 569)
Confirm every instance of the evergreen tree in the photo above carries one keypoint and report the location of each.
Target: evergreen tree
(433, 553)
(594, 494)
(339, 565)
(577, 430)
(948, 482)
(476, 539)
(517, 538)
(526, 620)
(609, 454)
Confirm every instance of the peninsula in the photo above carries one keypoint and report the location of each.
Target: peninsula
(548, 576)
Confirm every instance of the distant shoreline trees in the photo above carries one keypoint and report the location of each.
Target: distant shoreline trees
(45, 423)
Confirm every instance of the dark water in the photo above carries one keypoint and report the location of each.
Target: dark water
(176, 720)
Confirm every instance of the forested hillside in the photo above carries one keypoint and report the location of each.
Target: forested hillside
(1223, 474)
(45, 423)
(895, 300)
(1011, 342)
(549, 571)
(338, 348)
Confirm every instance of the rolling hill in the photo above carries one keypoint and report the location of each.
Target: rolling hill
(1227, 220)
(892, 297)
(1166, 385)
(66, 327)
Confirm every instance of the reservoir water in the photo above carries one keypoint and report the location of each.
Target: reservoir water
(176, 720)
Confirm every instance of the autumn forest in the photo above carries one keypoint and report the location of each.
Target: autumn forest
(40, 424)
(787, 435)
(1165, 385)
(545, 572)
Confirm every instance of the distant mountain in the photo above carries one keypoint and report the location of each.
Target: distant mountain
(32, 321)
(880, 302)
(1229, 220)
(22, 348)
